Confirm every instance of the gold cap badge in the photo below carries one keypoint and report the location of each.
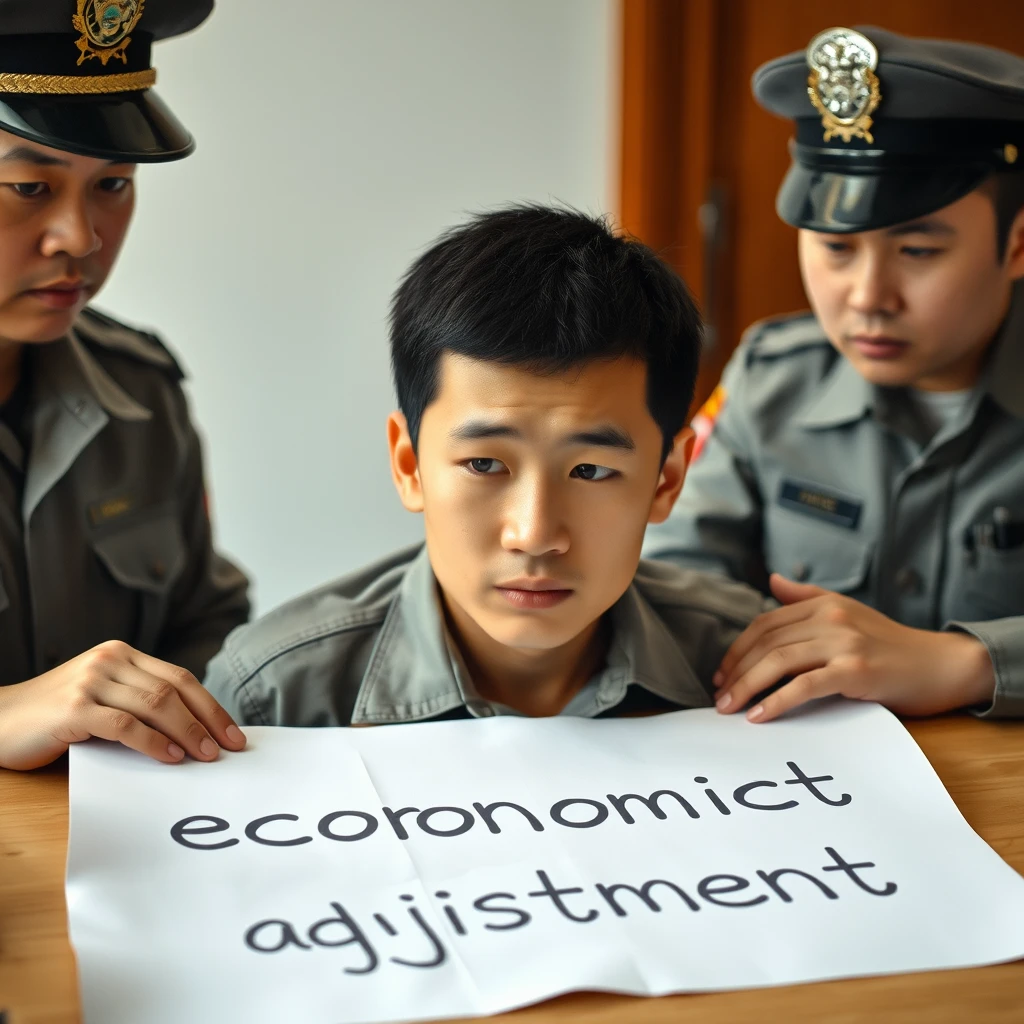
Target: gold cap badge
(106, 27)
(842, 84)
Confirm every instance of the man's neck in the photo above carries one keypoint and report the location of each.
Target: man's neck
(10, 368)
(537, 683)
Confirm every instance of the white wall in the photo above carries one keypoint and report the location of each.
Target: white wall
(335, 141)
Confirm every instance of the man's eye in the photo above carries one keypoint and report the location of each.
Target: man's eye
(588, 471)
(920, 251)
(114, 184)
(485, 467)
(31, 189)
(837, 247)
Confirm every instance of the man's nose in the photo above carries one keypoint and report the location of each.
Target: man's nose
(71, 231)
(533, 523)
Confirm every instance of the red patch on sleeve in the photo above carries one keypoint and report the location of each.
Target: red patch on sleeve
(703, 423)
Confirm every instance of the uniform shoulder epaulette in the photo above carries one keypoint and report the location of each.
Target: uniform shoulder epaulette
(102, 330)
(781, 335)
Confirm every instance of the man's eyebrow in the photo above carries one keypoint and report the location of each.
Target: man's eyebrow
(28, 155)
(922, 227)
(599, 437)
(476, 430)
(602, 437)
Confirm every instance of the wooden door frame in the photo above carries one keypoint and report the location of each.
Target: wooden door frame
(669, 114)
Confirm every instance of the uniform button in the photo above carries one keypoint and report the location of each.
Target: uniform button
(483, 710)
(158, 570)
(800, 572)
(908, 580)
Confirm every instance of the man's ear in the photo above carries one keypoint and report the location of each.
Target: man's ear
(673, 473)
(1015, 247)
(405, 470)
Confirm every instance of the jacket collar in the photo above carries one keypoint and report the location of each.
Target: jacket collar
(412, 676)
(844, 397)
(1004, 375)
(70, 370)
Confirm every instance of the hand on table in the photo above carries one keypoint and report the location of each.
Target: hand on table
(113, 692)
(832, 644)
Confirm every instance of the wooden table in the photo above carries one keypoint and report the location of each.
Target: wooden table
(981, 764)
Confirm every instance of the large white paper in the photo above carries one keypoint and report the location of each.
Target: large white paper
(382, 874)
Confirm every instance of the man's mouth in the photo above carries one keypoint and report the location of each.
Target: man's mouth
(534, 592)
(878, 346)
(63, 294)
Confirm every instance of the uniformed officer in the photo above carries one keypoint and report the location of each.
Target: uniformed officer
(544, 370)
(872, 448)
(112, 598)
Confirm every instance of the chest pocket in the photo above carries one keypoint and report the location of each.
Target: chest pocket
(829, 556)
(146, 557)
(993, 585)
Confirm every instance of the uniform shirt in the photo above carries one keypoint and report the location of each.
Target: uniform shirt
(372, 649)
(813, 472)
(104, 533)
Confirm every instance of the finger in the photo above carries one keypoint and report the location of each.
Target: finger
(156, 703)
(788, 592)
(819, 682)
(765, 623)
(778, 663)
(119, 726)
(200, 702)
(783, 636)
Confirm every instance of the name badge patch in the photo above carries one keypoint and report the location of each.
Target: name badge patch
(112, 508)
(820, 504)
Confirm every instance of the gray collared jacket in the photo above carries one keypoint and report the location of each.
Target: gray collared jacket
(371, 649)
(104, 532)
(813, 472)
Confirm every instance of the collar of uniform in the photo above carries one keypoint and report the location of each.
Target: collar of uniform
(71, 369)
(76, 376)
(1005, 373)
(845, 396)
(411, 675)
(645, 651)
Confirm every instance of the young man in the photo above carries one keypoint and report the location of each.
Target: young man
(112, 598)
(543, 369)
(870, 451)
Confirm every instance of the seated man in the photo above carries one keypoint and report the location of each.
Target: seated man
(543, 369)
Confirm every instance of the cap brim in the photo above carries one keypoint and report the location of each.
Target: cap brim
(127, 127)
(825, 200)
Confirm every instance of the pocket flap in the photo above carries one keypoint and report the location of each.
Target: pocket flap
(831, 557)
(147, 555)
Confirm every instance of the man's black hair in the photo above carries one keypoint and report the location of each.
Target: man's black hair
(1006, 189)
(548, 289)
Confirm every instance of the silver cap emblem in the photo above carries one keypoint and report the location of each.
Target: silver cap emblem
(842, 85)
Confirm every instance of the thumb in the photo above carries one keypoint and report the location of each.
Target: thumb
(790, 592)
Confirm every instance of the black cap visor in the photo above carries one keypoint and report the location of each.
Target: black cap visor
(821, 199)
(126, 127)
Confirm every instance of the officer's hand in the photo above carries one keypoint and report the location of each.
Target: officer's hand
(832, 644)
(115, 693)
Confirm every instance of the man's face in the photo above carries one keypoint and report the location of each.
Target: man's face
(535, 491)
(62, 221)
(916, 304)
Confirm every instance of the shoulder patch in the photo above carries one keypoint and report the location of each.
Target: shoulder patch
(99, 329)
(704, 422)
(781, 335)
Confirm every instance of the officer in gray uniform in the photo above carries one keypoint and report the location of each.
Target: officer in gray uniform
(872, 448)
(112, 598)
